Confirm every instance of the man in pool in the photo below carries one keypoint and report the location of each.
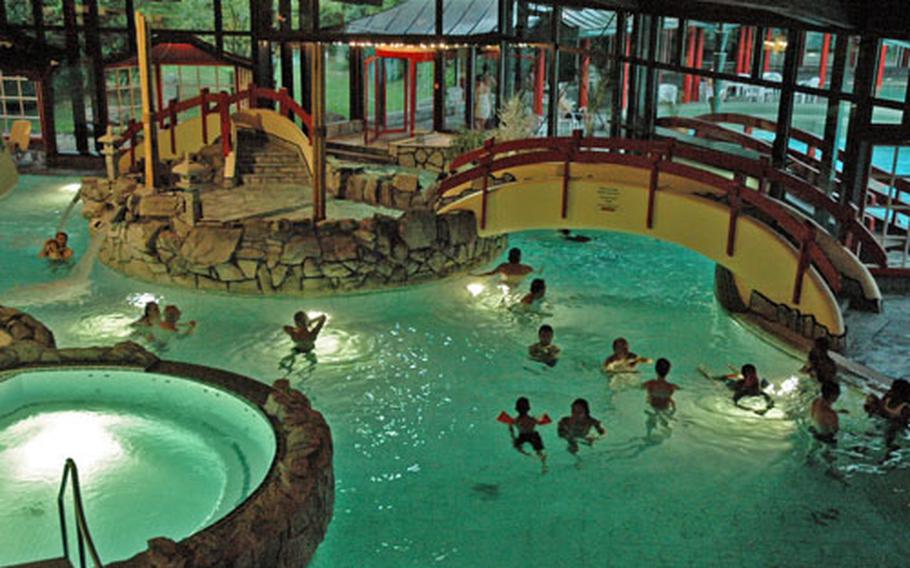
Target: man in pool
(746, 384)
(522, 429)
(660, 390)
(622, 360)
(56, 248)
(577, 427)
(305, 331)
(511, 273)
(825, 422)
(545, 351)
(172, 323)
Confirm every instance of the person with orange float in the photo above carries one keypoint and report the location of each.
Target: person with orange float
(522, 429)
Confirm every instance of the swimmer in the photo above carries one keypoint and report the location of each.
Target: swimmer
(660, 390)
(513, 272)
(825, 422)
(522, 430)
(894, 405)
(536, 295)
(545, 351)
(743, 385)
(151, 316)
(305, 332)
(172, 322)
(56, 248)
(622, 360)
(567, 235)
(820, 365)
(577, 427)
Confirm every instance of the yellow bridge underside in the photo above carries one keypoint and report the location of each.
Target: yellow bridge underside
(615, 198)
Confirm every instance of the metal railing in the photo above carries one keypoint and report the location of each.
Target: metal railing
(83, 536)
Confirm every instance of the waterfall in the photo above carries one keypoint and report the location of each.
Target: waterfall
(71, 288)
(69, 210)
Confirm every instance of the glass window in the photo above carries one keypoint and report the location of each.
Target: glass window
(18, 101)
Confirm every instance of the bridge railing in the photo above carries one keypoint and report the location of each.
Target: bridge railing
(168, 117)
(478, 166)
(813, 143)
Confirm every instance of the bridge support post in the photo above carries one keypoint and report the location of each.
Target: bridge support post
(652, 189)
(318, 133)
(735, 205)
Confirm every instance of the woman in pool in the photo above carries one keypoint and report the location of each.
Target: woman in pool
(660, 390)
(545, 351)
(535, 297)
(820, 365)
(305, 331)
(151, 316)
(577, 427)
(623, 360)
(56, 249)
(522, 429)
(513, 272)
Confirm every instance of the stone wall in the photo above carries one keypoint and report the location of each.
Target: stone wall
(152, 238)
(423, 156)
(363, 184)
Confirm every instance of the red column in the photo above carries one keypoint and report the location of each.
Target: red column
(413, 94)
(690, 61)
(539, 82)
(823, 62)
(881, 68)
(750, 49)
(585, 75)
(768, 52)
(740, 50)
(699, 59)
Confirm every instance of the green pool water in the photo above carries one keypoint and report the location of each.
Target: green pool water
(411, 382)
(157, 456)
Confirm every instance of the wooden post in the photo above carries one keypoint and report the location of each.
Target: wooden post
(412, 65)
(46, 108)
(539, 72)
(149, 137)
(93, 51)
(172, 123)
(439, 90)
(317, 136)
(76, 94)
(470, 83)
(204, 93)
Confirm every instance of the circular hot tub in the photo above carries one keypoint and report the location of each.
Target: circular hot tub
(157, 456)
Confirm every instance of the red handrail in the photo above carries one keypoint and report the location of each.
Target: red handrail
(221, 105)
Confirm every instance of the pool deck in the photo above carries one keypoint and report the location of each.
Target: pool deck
(881, 341)
(291, 202)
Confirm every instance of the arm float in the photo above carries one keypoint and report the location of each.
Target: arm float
(544, 420)
(505, 418)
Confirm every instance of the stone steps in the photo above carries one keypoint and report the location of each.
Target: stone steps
(263, 160)
(266, 179)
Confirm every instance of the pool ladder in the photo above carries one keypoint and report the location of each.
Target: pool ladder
(83, 536)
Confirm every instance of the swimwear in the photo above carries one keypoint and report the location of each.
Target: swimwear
(532, 438)
(830, 438)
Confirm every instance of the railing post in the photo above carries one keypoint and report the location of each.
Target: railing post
(132, 143)
(225, 124)
(485, 184)
(204, 93)
(652, 189)
(762, 180)
(172, 119)
(803, 264)
(573, 147)
(735, 204)
(282, 102)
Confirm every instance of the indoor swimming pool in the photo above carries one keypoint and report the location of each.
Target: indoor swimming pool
(411, 382)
